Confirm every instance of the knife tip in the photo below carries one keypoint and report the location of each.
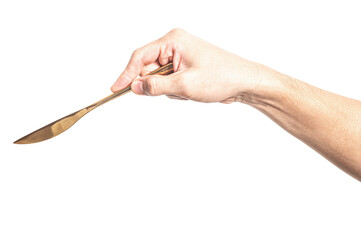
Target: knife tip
(19, 141)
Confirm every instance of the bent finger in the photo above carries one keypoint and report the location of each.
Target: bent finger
(149, 68)
(140, 57)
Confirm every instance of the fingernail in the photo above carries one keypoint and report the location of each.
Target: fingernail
(137, 87)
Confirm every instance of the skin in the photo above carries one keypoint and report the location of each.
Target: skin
(328, 123)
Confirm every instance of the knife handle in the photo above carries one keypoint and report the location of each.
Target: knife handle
(164, 70)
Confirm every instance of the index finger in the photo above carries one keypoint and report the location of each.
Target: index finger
(140, 57)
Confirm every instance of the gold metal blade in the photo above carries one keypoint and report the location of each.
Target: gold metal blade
(55, 128)
(59, 126)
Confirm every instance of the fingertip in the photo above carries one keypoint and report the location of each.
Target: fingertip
(121, 83)
(115, 87)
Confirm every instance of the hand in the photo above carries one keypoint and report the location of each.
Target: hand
(327, 122)
(202, 72)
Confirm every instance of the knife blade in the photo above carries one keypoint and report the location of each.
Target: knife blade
(61, 125)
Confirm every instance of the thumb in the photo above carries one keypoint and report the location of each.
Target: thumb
(154, 85)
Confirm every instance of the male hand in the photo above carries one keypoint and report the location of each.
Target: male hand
(202, 71)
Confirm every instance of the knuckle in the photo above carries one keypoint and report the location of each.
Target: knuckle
(136, 54)
(152, 87)
(176, 31)
(165, 54)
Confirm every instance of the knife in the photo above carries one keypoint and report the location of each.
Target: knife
(59, 126)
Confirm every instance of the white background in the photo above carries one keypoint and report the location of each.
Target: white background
(154, 168)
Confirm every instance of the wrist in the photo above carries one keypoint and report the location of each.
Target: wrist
(269, 89)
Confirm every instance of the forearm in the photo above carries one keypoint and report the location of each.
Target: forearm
(327, 122)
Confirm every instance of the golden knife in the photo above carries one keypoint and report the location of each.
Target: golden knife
(55, 128)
